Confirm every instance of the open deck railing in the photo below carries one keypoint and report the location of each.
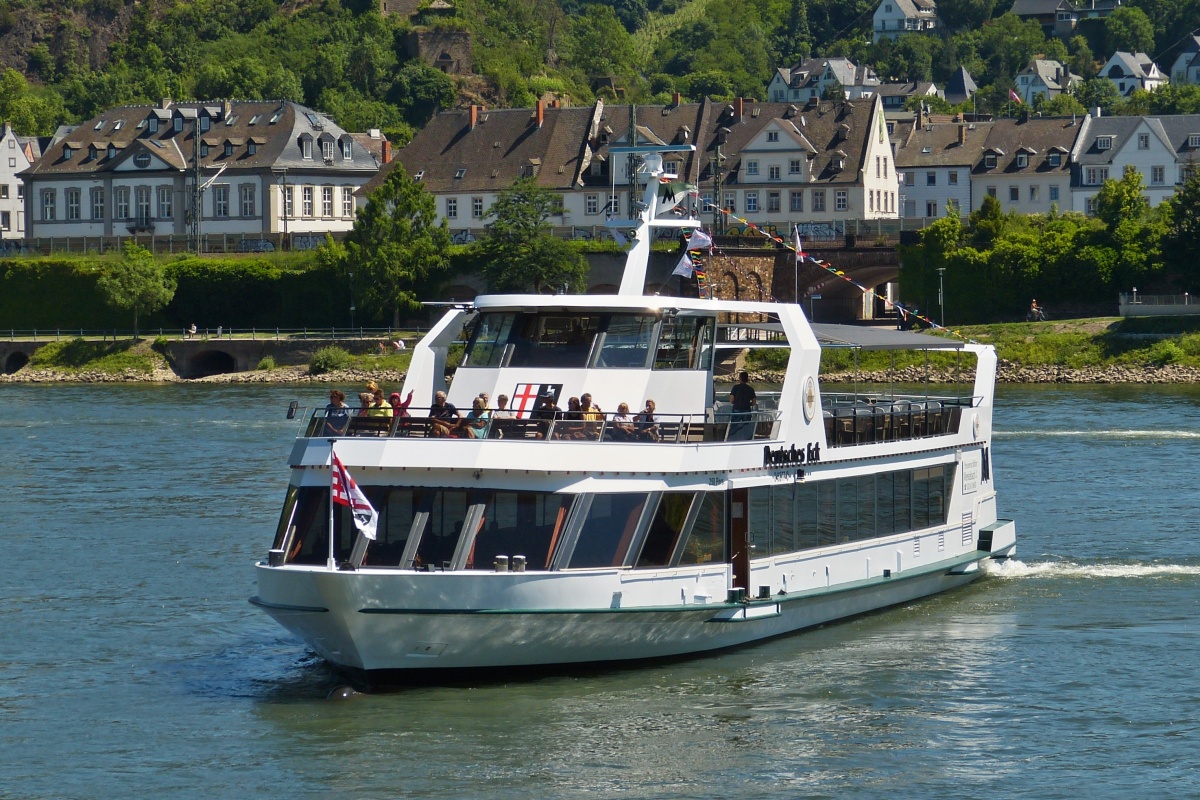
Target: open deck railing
(861, 419)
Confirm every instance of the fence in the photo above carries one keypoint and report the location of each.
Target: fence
(219, 332)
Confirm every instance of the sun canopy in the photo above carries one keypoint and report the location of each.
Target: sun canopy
(880, 338)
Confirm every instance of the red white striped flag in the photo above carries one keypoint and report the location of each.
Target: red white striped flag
(1014, 96)
(345, 492)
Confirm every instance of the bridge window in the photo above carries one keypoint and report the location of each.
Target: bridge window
(625, 340)
(685, 343)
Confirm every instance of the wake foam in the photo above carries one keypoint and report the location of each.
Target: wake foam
(1070, 569)
(1116, 434)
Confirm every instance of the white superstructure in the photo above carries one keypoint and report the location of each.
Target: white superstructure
(560, 539)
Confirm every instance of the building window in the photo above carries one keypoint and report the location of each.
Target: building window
(614, 205)
(1096, 175)
(989, 161)
(773, 173)
(878, 166)
(706, 201)
(451, 208)
(1022, 160)
(3, 191)
(72, 196)
(347, 201)
(165, 206)
(1033, 194)
(97, 198)
(772, 136)
(204, 123)
(306, 202)
(1054, 159)
(871, 201)
(794, 166)
(1104, 142)
(772, 202)
(731, 202)
(5, 220)
(203, 150)
(287, 201)
(1053, 194)
(751, 202)
(931, 208)
(306, 148)
(931, 179)
(1014, 194)
(347, 149)
(991, 191)
(326, 201)
(818, 203)
(228, 149)
(246, 190)
(840, 200)
(221, 200)
(591, 204)
(796, 201)
(910, 178)
(327, 149)
(67, 152)
(177, 124)
(1158, 175)
(121, 202)
(251, 148)
(1090, 205)
(1185, 174)
(952, 177)
(477, 207)
(751, 167)
(1143, 141)
(152, 124)
(142, 199)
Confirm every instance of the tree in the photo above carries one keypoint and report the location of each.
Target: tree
(397, 248)
(520, 253)
(794, 41)
(1182, 240)
(1082, 61)
(1122, 199)
(962, 14)
(1129, 29)
(599, 44)
(1099, 92)
(986, 224)
(137, 282)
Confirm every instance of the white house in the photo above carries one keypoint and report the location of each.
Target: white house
(935, 161)
(264, 167)
(1129, 71)
(808, 81)
(1043, 78)
(1186, 68)
(1026, 164)
(894, 17)
(1163, 149)
(16, 154)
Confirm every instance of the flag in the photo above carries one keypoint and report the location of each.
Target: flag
(798, 247)
(345, 492)
(699, 240)
(1014, 96)
(684, 267)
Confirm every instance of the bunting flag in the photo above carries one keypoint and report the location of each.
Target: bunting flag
(345, 492)
(684, 267)
(699, 240)
(797, 247)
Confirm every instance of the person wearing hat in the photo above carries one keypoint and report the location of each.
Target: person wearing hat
(545, 412)
(400, 409)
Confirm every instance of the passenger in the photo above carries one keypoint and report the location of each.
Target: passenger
(622, 427)
(366, 400)
(744, 401)
(502, 410)
(592, 416)
(400, 409)
(443, 416)
(337, 414)
(379, 405)
(486, 399)
(647, 424)
(476, 422)
(545, 413)
(571, 424)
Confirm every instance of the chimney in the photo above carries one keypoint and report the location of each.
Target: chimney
(539, 113)
(226, 109)
(1096, 112)
(386, 153)
(675, 99)
(165, 103)
(473, 118)
(962, 135)
(739, 108)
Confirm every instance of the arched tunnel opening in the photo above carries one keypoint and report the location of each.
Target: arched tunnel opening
(15, 362)
(210, 362)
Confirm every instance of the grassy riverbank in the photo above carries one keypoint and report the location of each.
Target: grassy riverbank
(1100, 350)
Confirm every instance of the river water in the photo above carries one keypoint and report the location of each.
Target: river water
(131, 664)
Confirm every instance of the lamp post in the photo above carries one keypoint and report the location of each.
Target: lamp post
(351, 274)
(941, 295)
(1135, 295)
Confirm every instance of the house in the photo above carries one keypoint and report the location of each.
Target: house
(1057, 17)
(894, 17)
(1044, 79)
(16, 154)
(1186, 68)
(960, 88)
(1026, 164)
(263, 167)
(807, 82)
(1163, 149)
(1129, 71)
(935, 161)
(895, 95)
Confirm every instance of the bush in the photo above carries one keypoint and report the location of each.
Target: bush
(160, 344)
(1165, 352)
(328, 359)
(267, 363)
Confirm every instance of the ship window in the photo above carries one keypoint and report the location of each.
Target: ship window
(772, 518)
(706, 541)
(625, 341)
(685, 343)
(665, 528)
(488, 340)
(519, 524)
(554, 340)
(447, 509)
(608, 530)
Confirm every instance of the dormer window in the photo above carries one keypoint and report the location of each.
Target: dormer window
(1054, 159)
(112, 151)
(251, 148)
(204, 123)
(327, 149)
(204, 149)
(177, 124)
(67, 152)
(672, 168)
(1022, 160)
(1194, 140)
(92, 152)
(459, 174)
(306, 150)
(228, 149)
(152, 125)
(347, 149)
(1104, 142)
(989, 161)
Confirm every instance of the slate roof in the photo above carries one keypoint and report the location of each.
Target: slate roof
(1132, 65)
(808, 73)
(1173, 131)
(938, 145)
(960, 87)
(1037, 137)
(1054, 74)
(1038, 8)
(913, 8)
(275, 127)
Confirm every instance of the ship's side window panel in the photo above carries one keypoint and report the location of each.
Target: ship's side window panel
(608, 530)
(826, 513)
(760, 522)
(625, 340)
(920, 498)
(286, 519)
(447, 508)
(488, 340)
(308, 542)
(554, 340)
(783, 515)
(866, 507)
(396, 512)
(665, 529)
(519, 524)
(685, 343)
(902, 500)
(706, 541)
(847, 506)
(807, 507)
(885, 506)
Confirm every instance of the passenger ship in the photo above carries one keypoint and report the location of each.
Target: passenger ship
(554, 542)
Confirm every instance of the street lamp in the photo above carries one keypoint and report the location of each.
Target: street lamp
(351, 274)
(941, 296)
